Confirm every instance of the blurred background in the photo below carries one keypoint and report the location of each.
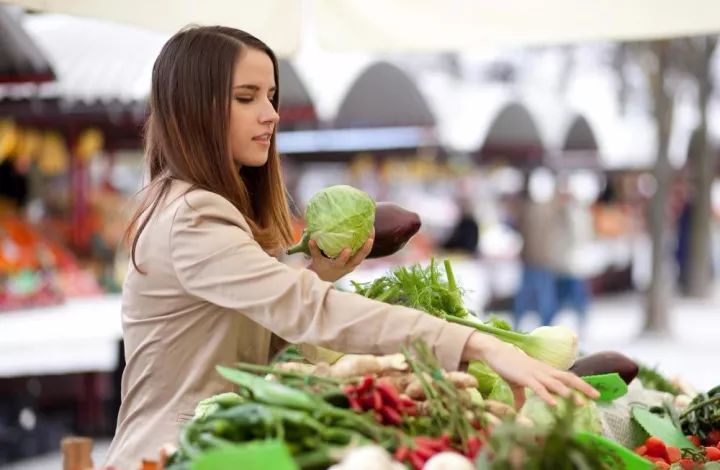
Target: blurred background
(564, 158)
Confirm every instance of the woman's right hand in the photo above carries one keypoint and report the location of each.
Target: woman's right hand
(521, 370)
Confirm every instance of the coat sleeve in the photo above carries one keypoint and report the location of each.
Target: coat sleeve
(217, 260)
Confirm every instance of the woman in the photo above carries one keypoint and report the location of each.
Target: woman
(203, 287)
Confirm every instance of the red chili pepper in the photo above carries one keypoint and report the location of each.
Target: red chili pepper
(354, 403)
(406, 400)
(390, 415)
(389, 393)
(416, 461)
(366, 401)
(401, 453)
(377, 400)
(424, 452)
(366, 384)
(410, 411)
(434, 444)
(474, 445)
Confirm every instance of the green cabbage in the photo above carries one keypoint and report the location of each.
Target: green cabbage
(585, 417)
(486, 377)
(337, 217)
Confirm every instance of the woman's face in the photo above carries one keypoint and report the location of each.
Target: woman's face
(252, 116)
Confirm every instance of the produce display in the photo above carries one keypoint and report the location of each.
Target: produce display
(403, 411)
(321, 409)
(36, 269)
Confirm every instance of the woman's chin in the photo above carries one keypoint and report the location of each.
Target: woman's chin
(252, 162)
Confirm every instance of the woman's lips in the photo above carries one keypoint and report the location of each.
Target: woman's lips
(263, 139)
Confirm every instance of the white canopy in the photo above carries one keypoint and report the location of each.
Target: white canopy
(412, 25)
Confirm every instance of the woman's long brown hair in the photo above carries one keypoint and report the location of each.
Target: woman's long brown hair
(186, 134)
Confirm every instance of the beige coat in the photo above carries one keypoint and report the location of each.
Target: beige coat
(212, 296)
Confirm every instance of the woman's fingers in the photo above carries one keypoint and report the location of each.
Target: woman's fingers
(314, 250)
(363, 252)
(518, 392)
(556, 386)
(343, 257)
(577, 383)
(541, 391)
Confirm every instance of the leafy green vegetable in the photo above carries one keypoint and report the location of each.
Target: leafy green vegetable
(486, 377)
(422, 288)
(660, 427)
(584, 418)
(426, 290)
(653, 380)
(703, 414)
(502, 392)
(337, 217)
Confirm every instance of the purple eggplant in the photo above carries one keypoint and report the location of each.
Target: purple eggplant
(394, 226)
(606, 362)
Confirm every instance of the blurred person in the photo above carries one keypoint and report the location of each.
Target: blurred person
(537, 291)
(465, 236)
(571, 231)
(204, 287)
(610, 219)
(682, 202)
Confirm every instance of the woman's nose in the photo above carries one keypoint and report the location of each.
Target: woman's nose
(269, 114)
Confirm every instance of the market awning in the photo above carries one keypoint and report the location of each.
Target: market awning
(413, 25)
(579, 148)
(107, 80)
(513, 137)
(384, 95)
(21, 61)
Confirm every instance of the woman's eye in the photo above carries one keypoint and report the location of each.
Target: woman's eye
(243, 99)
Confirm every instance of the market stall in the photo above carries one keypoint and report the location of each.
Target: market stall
(315, 408)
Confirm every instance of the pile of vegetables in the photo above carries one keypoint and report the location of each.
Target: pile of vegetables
(320, 417)
(396, 411)
(702, 417)
(557, 447)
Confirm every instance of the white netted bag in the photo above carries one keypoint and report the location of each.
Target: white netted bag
(616, 417)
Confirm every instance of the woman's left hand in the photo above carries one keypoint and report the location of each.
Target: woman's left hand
(331, 270)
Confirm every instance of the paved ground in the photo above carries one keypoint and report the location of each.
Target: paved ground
(692, 351)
